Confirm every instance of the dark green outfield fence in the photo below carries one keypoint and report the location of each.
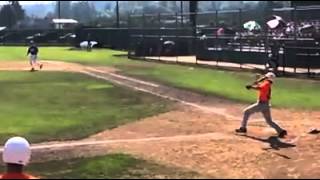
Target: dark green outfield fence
(20, 37)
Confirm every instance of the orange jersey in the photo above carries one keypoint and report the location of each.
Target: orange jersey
(17, 176)
(265, 91)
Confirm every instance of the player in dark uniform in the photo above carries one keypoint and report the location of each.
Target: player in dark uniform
(33, 52)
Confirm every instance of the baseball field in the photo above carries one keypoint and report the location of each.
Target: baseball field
(100, 115)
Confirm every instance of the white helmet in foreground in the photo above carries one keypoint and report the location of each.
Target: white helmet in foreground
(16, 151)
(270, 76)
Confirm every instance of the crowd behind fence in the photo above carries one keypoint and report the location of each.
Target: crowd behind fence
(221, 36)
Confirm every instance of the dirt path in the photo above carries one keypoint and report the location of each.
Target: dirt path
(197, 135)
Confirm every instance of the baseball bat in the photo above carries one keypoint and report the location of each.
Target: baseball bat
(259, 78)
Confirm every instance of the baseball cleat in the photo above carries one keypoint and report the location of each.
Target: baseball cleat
(283, 134)
(241, 130)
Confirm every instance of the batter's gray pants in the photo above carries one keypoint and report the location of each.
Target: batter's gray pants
(264, 108)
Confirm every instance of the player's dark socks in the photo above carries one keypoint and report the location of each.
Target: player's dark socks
(32, 70)
(41, 65)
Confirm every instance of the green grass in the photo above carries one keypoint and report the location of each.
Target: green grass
(289, 93)
(59, 106)
(97, 56)
(119, 166)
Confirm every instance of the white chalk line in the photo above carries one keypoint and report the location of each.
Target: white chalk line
(218, 111)
(125, 78)
(208, 136)
(204, 108)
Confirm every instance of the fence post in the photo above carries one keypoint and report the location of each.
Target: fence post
(195, 35)
(143, 38)
(240, 28)
(129, 36)
(129, 21)
(143, 20)
(181, 12)
(117, 14)
(295, 29)
(159, 37)
(216, 46)
(129, 29)
(176, 39)
(217, 23)
(295, 23)
(283, 61)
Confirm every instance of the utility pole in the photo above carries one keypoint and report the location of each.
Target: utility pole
(59, 10)
(59, 14)
(181, 12)
(193, 8)
(117, 13)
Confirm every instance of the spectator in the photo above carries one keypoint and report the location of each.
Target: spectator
(16, 155)
(220, 31)
(89, 42)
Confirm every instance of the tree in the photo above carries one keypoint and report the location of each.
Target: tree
(173, 6)
(108, 6)
(84, 12)
(186, 5)
(50, 15)
(164, 4)
(19, 12)
(65, 9)
(11, 13)
(7, 16)
(213, 5)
